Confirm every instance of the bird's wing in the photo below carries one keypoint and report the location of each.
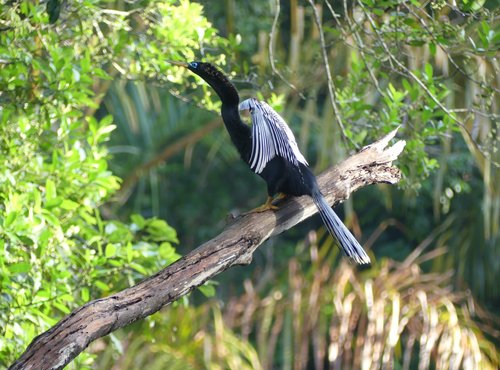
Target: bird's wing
(271, 137)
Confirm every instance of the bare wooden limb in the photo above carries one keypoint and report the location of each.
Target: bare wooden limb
(58, 346)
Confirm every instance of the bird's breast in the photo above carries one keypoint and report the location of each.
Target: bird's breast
(282, 176)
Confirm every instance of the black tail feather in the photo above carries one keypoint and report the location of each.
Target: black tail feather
(348, 243)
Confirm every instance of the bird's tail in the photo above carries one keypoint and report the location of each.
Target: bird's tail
(348, 243)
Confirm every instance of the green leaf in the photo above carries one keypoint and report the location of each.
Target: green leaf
(168, 252)
(69, 205)
(45, 294)
(471, 5)
(110, 250)
(100, 285)
(51, 218)
(85, 294)
(207, 290)
(432, 48)
(19, 267)
(63, 308)
(105, 122)
(138, 220)
(139, 268)
(105, 130)
(11, 216)
(53, 202)
(429, 71)
(50, 189)
(159, 230)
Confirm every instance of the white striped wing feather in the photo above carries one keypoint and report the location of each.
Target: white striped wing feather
(271, 136)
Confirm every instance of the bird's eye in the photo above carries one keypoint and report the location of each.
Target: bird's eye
(193, 64)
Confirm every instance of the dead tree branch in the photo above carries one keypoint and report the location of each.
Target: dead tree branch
(235, 245)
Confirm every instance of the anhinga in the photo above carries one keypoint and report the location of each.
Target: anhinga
(270, 149)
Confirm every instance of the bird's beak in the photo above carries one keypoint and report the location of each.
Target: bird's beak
(180, 64)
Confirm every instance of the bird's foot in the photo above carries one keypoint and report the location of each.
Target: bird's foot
(265, 207)
(281, 196)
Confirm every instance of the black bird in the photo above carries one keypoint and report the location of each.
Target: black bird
(270, 149)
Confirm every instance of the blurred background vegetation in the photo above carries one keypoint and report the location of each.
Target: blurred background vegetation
(114, 164)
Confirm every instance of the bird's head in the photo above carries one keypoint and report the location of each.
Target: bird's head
(206, 71)
(214, 77)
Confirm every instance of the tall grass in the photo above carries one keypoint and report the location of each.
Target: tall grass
(393, 316)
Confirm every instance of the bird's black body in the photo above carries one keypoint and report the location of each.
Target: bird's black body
(280, 175)
(283, 177)
(285, 170)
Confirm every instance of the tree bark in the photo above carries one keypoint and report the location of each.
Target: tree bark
(235, 245)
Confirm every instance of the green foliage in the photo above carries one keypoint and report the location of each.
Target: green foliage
(429, 67)
(57, 251)
(404, 104)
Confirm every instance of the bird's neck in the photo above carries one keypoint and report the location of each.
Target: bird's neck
(239, 132)
(226, 91)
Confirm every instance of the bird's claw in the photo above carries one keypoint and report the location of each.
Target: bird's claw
(265, 207)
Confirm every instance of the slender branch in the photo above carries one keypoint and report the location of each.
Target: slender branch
(272, 41)
(235, 245)
(359, 41)
(331, 86)
(491, 116)
(443, 48)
